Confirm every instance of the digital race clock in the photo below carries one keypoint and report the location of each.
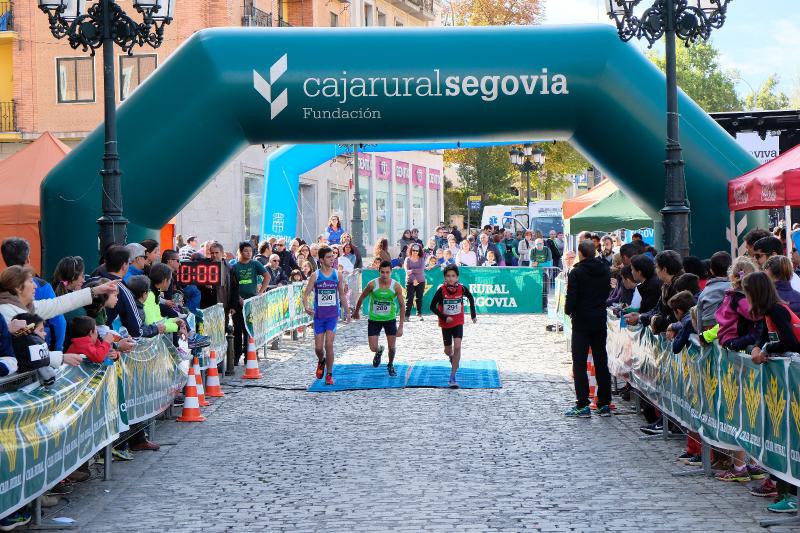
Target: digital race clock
(199, 272)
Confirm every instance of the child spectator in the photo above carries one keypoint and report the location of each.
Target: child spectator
(710, 299)
(679, 332)
(32, 353)
(735, 327)
(668, 268)
(491, 260)
(693, 265)
(688, 282)
(86, 341)
(447, 257)
(296, 276)
(779, 270)
(140, 289)
(782, 331)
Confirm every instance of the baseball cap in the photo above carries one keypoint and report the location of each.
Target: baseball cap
(135, 250)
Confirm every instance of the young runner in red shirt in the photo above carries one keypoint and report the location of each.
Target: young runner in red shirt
(448, 304)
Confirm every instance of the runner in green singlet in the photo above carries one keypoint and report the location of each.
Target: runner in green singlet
(385, 305)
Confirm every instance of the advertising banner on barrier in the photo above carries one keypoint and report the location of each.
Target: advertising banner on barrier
(270, 314)
(151, 376)
(732, 402)
(497, 290)
(214, 320)
(794, 418)
(47, 432)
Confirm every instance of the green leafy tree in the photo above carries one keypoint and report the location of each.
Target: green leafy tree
(767, 97)
(701, 77)
(561, 162)
(493, 12)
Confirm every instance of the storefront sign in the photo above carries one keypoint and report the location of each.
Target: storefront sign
(497, 290)
(434, 179)
(383, 168)
(364, 165)
(418, 173)
(402, 172)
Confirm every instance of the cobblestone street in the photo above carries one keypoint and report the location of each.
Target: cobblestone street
(273, 457)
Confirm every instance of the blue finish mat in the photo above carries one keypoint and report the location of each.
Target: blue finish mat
(477, 374)
(359, 377)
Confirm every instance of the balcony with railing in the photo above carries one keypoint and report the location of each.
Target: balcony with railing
(284, 23)
(418, 8)
(6, 16)
(8, 121)
(252, 16)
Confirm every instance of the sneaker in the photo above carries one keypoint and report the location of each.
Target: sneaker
(15, 520)
(787, 505)
(740, 476)
(579, 412)
(656, 428)
(765, 489)
(329, 379)
(199, 341)
(697, 460)
(178, 401)
(722, 464)
(320, 369)
(376, 361)
(121, 455)
(392, 371)
(604, 411)
(420, 318)
(756, 472)
(453, 384)
(146, 445)
(684, 457)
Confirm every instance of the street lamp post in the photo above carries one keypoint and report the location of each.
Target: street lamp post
(105, 24)
(690, 21)
(357, 223)
(527, 160)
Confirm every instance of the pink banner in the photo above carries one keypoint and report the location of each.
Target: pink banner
(418, 175)
(402, 172)
(434, 178)
(383, 168)
(364, 165)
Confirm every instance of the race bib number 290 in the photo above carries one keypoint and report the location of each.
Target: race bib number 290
(326, 298)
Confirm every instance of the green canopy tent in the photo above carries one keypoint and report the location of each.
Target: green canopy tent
(615, 211)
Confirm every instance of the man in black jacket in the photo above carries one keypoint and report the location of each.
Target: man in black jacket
(588, 286)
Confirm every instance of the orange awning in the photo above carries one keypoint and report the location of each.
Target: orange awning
(21, 176)
(573, 206)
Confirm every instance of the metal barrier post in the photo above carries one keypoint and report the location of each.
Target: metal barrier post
(230, 356)
(107, 462)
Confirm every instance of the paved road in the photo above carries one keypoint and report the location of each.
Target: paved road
(272, 457)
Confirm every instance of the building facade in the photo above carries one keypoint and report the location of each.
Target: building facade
(47, 86)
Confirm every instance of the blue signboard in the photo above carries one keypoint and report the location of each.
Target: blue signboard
(648, 235)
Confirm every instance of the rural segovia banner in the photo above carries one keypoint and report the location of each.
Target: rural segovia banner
(151, 377)
(278, 310)
(731, 402)
(47, 432)
(497, 290)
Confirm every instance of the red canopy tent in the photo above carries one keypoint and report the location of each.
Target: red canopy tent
(773, 185)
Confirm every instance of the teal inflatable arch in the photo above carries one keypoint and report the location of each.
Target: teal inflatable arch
(227, 88)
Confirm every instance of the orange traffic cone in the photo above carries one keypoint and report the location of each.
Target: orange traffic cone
(213, 390)
(198, 377)
(251, 371)
(191, 407)
(590, 370)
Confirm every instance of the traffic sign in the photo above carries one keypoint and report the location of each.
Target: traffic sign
(474, 202)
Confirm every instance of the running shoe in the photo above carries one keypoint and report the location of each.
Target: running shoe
(684, 458)
(15, 520)
(376, 361)
(756, 472)
(392, 371)
(765, 489)
(320, 369)
(604, 411)
(120, 454)
(697, 460)
(579, 412)
(733, 474)
(453, 384)
(787, 505)
(329, 379)
(656, 428)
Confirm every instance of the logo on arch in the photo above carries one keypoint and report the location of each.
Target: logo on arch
(265, 88)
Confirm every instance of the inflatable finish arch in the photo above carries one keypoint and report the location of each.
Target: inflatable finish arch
(227, 88)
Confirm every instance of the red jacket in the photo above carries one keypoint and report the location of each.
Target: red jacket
(96, 351)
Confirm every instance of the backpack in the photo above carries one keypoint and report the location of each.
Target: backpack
(792, 317)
